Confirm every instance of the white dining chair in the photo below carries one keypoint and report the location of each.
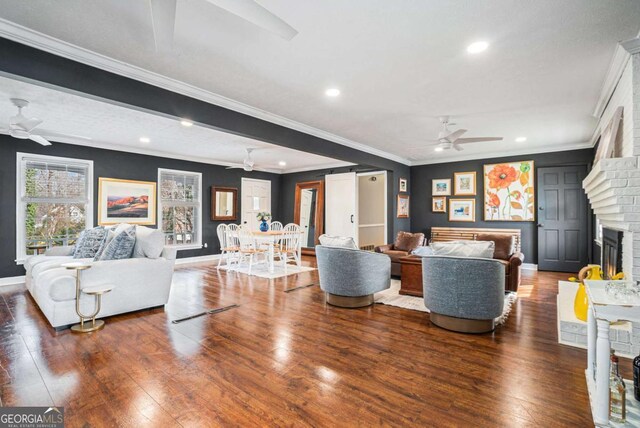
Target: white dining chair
(228, 246)
(233, 243)
(248, 248)
(290, 245)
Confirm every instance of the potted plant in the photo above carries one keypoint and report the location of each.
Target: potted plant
(264, 217)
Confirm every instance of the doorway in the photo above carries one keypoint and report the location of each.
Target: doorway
(256, 197)
(563, 230)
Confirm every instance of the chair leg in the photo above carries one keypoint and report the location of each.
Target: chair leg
(221, 257)
(250, 263)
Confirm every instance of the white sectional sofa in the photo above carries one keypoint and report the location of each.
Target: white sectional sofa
(140, 283)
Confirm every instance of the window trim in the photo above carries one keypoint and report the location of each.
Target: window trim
(20, 214)
(194, 245)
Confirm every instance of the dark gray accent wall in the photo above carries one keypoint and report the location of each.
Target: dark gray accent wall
(423, 219)
(114, 164)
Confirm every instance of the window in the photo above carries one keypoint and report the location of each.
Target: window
(180, 207)
(54, 202)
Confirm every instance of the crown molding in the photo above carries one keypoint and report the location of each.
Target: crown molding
(616, 68)
(632, 45)
(35, 39)
(505, 153)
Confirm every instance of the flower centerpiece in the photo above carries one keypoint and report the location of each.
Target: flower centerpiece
(264, 217)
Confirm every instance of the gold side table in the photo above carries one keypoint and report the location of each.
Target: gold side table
(96, 291)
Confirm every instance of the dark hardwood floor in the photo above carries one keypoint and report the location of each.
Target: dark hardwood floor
(289, 359)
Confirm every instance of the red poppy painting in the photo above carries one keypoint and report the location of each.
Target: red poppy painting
(509, 193)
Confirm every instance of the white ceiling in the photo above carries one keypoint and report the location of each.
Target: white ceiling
(399, 64)
(120, 128)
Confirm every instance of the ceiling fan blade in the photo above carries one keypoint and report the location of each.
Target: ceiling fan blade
(457, 147)
(163, 18)
(235, 167)
(24, 123)
(477, 139)
(258, 15)
(455, 135)
(39, 139)
(51, 134)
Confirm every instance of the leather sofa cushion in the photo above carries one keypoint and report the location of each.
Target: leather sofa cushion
(396, 255)
(505, 244)
(408, 242)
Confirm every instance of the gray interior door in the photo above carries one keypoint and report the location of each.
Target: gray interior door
(562, 219)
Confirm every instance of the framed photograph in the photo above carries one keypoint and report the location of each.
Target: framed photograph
(464, 183)
(403, 185)
(462, 210)
(439, 204)
(441, 187)
(126, 201)
(403, 206)
(509, 191)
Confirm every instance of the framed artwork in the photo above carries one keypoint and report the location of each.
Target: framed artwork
(441, 187)
(464, 183)
(439, 204)
(509, 191)
(403, 185)
(403, 206)
(462, 210)
(126, 201)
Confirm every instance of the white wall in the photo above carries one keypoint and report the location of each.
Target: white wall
(371, 210)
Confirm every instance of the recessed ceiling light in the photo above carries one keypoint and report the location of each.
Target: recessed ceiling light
(282, 163)
(185, 122)
(145, 139)
(477, 47)
(438, 149)
(332, 92)
(521, 139)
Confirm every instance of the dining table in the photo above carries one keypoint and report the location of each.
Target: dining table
(271, 238)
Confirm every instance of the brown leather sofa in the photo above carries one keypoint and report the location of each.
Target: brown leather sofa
(404, 244)
(506, 254)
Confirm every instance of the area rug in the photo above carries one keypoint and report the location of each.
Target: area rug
(392, 297)
(262, 271)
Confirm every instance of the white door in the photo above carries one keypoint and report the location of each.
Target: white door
(341, 196)
(256, 197)
(306, 197)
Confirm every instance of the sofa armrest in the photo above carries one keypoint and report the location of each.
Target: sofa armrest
(66, 250)
(383, 248)
(169, 253)
(516, 259)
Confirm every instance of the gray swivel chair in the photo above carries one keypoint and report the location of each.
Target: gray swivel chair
(463, 294)
(350, 277)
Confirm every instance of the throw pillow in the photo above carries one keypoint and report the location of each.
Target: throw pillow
(423, 251)
(120, 246)
(482, 249)
(406, 241)
(89, 243)
(149, 243)
(338, 241)
(505, 244)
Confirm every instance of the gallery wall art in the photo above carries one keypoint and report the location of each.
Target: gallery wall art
(441, 187)
(462, 210)
(126, 201)
(403, 206)
(509, 191)
(464, 183)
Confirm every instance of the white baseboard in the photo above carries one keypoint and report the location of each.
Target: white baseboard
(529, 266)
(12, 280)
(197, 259)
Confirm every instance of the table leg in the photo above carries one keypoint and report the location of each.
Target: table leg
(591, 344)
(601, 410)
(299, 261)
(271, 257)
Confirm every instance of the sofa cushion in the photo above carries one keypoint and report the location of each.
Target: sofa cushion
(406, 241)
(396, 255)
(149, 243)
(464, 249)
(121, 246)
(33, 261)
(89, 242)
(504, 244)
(338, 241)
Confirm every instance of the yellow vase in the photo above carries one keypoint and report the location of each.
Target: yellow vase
(581, 303)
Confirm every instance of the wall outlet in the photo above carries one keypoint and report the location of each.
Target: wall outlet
(205, 245)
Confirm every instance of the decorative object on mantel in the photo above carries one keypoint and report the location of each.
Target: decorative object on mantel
(462, 210)
(464, 183)
(403, 185)
(509, 191)
(609, 141)
(581, 303)
(441, 187)
(126, 201)
(439, 204)
(264, 217)
(403, 206)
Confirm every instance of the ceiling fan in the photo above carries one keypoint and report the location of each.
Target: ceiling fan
(163, 17)
(451, 140)
(23, 127)
(247, 163)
